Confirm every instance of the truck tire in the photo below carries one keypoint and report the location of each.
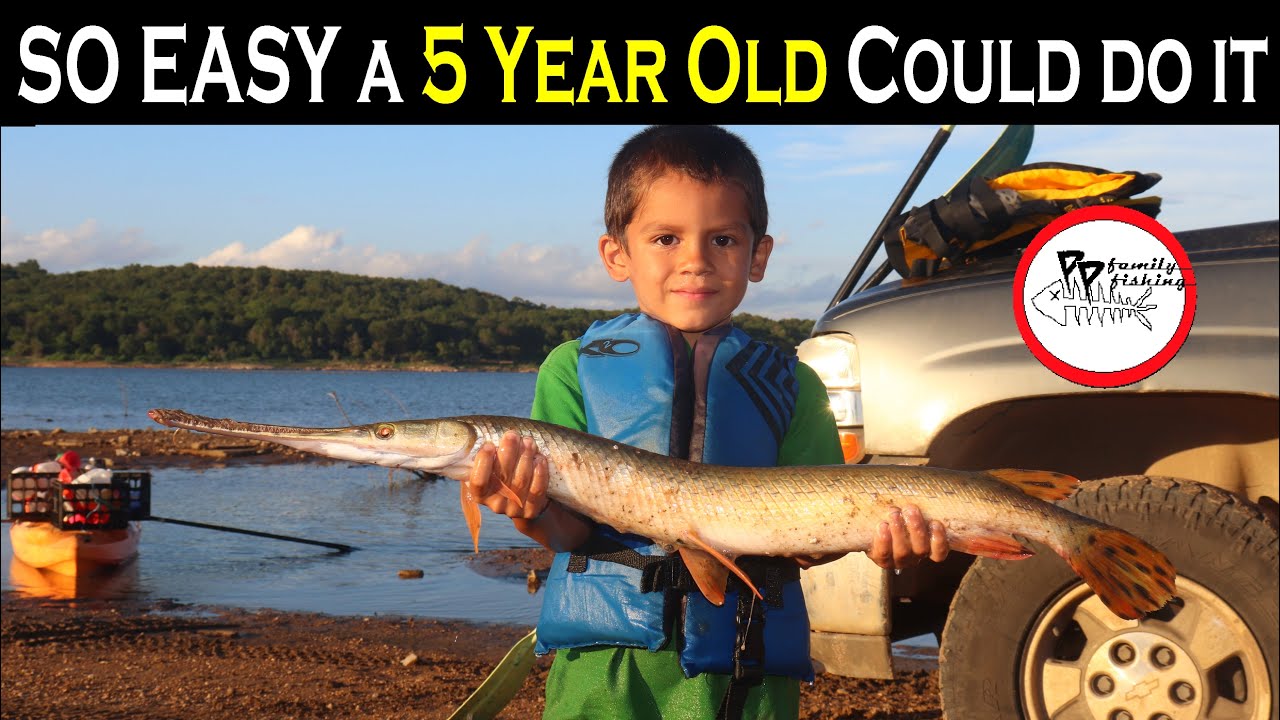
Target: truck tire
(1028, 640)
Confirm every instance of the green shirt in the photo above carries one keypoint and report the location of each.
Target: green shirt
(619, 682)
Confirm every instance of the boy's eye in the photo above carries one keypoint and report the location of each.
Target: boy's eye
(665, 240)
(722, 240)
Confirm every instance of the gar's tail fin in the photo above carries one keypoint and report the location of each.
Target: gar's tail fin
(1131, 577)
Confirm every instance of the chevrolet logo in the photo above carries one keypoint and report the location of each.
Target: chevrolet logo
(1142, 689)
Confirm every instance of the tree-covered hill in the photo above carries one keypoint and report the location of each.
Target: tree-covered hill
(187, 313)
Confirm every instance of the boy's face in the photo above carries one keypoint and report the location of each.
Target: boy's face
(688, 253)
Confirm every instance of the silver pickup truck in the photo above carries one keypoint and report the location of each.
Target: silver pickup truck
(935, 372)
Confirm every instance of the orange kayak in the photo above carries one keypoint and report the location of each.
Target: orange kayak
(73, 552)
(111, 583)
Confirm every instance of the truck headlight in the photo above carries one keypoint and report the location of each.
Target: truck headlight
(846, 405)
(835, 358)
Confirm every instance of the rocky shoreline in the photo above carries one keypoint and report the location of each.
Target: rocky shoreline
(142, 449)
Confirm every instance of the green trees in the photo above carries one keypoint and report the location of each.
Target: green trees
(224, 314)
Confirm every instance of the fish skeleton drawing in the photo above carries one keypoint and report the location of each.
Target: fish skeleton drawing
(712, 514)
(1058, 303)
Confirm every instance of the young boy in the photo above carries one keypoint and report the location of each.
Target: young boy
(686, 222)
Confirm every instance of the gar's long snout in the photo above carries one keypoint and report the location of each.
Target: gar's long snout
(427, 445)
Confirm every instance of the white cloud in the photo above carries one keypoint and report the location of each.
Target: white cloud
(85, 246)
(872, 168)
(303, 248)
(558, 275)
(822, 144)
(820, 152)
(799, 288)
(825, 152)
(555, 275)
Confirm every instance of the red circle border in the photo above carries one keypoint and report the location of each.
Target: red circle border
(1116, 378)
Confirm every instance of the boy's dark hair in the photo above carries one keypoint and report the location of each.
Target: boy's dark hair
(706, 153)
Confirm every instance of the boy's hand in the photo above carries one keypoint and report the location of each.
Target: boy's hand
(517, 463)
(905, 541)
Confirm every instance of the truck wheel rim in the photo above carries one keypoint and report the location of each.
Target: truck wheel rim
(1083, 662)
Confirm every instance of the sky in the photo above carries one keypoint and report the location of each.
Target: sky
(517, 210)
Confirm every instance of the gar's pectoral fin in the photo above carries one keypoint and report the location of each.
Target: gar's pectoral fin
(481, 472)
(471, 512)
(710, 568)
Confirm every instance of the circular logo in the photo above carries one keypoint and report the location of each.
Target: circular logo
(1104, 296)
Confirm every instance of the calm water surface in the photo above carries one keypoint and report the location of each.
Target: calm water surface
(398, 521)
(84, 398)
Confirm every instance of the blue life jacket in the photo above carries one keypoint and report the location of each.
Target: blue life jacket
(728, 402)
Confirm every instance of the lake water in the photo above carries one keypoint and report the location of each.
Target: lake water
(84, 398)
(397, 521)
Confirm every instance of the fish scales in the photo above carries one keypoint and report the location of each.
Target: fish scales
(829, 508)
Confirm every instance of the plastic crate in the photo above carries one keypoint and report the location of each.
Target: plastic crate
(139, 489)
(103, 505)
(30, 495)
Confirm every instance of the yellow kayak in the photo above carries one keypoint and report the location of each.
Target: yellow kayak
(73, 552)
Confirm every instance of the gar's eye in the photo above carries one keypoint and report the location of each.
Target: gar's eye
(385, 431)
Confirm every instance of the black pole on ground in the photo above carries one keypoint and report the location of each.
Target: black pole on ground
(223, 528)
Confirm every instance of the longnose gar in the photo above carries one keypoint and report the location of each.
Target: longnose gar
(712, 514)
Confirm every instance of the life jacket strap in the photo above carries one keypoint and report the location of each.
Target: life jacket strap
(659, 572)
(735, 699)
(668, 572)
(748, 656)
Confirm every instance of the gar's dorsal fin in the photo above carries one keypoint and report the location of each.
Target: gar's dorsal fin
(1039, 484)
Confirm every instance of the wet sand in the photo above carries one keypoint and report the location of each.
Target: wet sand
(153, 660)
